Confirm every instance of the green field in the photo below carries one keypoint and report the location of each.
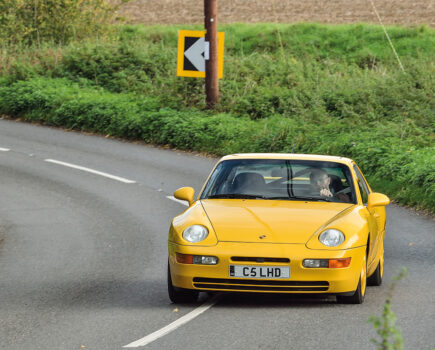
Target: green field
(304, 88)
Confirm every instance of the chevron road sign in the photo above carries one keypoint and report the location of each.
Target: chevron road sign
(193, 52)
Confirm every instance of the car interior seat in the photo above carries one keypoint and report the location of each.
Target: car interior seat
(248, 183)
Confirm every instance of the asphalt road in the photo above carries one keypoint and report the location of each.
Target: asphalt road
(83, 258)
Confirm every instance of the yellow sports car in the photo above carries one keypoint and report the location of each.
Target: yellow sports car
(279, 223)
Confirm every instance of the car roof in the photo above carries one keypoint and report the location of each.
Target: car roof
(293, 156)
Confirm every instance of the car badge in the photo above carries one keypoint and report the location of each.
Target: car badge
(262, 236)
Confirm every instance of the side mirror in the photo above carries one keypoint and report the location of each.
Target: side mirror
(377, 200)
(185, 194)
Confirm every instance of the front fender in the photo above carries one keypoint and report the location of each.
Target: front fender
(353, 223)
(194, 215)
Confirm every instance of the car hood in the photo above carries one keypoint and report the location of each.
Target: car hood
(269, 221)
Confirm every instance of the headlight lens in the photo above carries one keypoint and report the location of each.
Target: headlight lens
(195, 233)
(331, 238)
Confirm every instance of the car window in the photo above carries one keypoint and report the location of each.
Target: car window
(281, 179)
(363, 188)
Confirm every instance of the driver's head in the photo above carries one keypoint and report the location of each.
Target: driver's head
(320, 178)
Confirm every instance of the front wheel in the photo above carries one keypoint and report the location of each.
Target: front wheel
(358, 296)
(180, 295)
(376, 278)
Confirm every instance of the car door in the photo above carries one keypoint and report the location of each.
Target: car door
(371, 215)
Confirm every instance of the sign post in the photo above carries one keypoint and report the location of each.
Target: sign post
(201, 53)
(211, 64)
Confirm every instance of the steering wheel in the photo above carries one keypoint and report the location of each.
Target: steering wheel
(343, 191)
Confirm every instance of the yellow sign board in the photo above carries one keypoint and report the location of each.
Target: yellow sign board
(193, 52)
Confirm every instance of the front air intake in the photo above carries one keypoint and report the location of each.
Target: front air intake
(260, 259)
(260, 285)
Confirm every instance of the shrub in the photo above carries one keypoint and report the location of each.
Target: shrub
(58, 21)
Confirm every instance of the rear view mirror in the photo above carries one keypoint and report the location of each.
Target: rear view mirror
(185, 194)
(377, 200)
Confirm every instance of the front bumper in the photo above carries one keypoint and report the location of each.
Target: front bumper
(302, 280)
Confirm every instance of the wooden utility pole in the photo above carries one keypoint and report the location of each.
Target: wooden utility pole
(211, 65)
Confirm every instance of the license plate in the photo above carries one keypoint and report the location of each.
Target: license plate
(249, 271)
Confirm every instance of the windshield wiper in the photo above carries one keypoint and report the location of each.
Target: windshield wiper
(252, 196)
(301, 198)
(236, 195)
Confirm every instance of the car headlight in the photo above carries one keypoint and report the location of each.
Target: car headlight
(195, 233)
(331, 237)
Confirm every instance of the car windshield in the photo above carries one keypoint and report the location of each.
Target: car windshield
(281, 179)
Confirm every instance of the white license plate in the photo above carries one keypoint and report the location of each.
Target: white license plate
(249, 271)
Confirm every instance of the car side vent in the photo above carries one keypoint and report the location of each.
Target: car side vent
(259, 259)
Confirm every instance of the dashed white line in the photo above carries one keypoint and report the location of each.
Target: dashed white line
(174, 325)
(96, 172)
(172, 198)
(4, 149)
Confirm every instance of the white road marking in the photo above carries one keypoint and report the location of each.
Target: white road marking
(172, 198)
(78, 167)
(174, 325)
(4, 149)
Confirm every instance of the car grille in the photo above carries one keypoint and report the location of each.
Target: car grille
(260, 285)
(259, 259)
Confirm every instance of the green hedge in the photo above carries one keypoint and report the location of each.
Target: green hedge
(403, 167)
(345, 71)
(322, 89)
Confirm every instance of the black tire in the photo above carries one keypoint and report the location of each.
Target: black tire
(376, 278)
(180, 295)
(356, 298)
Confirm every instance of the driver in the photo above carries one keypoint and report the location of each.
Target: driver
(320, 181)
(320, 185)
